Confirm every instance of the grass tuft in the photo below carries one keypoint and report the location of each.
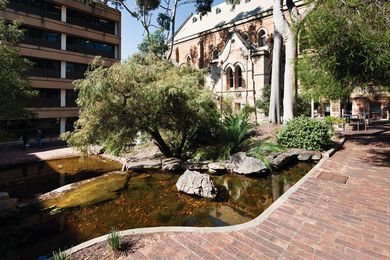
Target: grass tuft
(114, 240)
(59, 255)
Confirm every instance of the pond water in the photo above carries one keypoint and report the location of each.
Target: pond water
(146, 200)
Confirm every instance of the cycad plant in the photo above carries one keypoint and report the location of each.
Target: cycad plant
(235, 134)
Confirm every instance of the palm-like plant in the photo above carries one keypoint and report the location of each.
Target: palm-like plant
(235, 134)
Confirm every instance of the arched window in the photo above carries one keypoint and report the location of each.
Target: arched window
(215, 54)
(177, 55)
(229, 78)
(238, 76)
(262, 38)
(188, 61)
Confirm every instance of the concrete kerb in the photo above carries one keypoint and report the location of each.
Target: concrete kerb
(200, 230)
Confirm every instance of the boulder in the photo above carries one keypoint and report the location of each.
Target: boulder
(304, 157)
(242, 164)
(216, 167)
(316, 156)
(147, 164)
(196, 183)
(283, 159)
(8, 206)
(171, 164)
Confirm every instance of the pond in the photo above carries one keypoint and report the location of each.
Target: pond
(146, 200)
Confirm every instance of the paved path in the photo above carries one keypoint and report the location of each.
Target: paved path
(324, 218)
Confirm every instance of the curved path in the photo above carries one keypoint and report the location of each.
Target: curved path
(340, 210)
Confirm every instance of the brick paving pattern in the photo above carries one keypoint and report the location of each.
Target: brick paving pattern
(325, 218)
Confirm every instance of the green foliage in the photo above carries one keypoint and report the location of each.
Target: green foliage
(235, 134)
(347, 45)
(154, 43)
(263, 103)
(145, 94)
(247, 110)
(59, 255)
(15, 89)
(260, 151)
(306, 133)
(331, 120)
(114, 240)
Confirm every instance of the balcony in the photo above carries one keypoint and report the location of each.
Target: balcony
(43, 43)
(77, 48)
(74, 75)
(48, 73)
(100, 28)
(44, 102)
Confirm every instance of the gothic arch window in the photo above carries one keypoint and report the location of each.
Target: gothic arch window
(215, 54)
(188, 60)
(238, 76)
(229, 78)
(177, 55)
(262, 38)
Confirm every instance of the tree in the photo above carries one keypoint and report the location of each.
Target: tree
(15, 89)
(157, 14)
(144, 94)
(346, 45)
(155, 44)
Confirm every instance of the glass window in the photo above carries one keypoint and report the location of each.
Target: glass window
(262, 41)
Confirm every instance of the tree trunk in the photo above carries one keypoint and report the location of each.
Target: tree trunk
(274, 105)
(173, 22)
(284, 28)
(159, 141)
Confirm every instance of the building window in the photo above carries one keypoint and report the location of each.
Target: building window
(177, 58)
(37, 7)
(188, 61)
(90, 47)
(89, 21)
(75, 70)
(45, 98)
(262, 38)
(194, 19)
(218, 10)
(238, 76)
(42, 38)
(229, 78)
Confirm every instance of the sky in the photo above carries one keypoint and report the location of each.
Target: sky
(133, 33)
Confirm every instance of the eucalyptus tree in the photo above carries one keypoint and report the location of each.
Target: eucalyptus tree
(146, 94)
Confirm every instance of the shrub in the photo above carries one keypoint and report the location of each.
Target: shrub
(114, 240)
(307, 133)
(59, 255)
(262, 149)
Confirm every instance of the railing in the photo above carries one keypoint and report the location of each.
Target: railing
(93, 26)
(49, 73)
(43, 43)
(32, 10)
(80, 49)
(44, 102)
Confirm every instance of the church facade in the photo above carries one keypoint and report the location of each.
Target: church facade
(235, 46)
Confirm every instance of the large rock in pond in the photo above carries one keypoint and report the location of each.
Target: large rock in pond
(171, 164)
(8, 206)
(193, 182)
(147, 164)
(242, 164)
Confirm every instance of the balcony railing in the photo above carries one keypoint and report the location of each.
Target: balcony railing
(44, 102)
(43, 43)
(77, 21)
(77, 48)
(48, 73)
(32, 10)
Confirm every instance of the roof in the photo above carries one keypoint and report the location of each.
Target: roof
(221, 15)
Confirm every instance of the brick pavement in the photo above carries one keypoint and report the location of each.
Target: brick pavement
(325, 218)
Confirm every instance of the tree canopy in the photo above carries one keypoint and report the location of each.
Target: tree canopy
(14, 86)
(145, 94)
(346, 45)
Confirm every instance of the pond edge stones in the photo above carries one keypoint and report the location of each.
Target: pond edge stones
(240, 163)
(196, 183)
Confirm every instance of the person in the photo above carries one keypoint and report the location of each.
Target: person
(39, 137)
(24, 139)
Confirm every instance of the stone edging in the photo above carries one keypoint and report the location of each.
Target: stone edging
(254, 222)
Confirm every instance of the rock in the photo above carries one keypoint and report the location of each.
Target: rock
(316, 157)
(216, 167)
(283, 159)
(142, 165)
(242, 164)
(8, 206)
(193, 182)
(171, 164)
(196, 166)
(304, 157)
